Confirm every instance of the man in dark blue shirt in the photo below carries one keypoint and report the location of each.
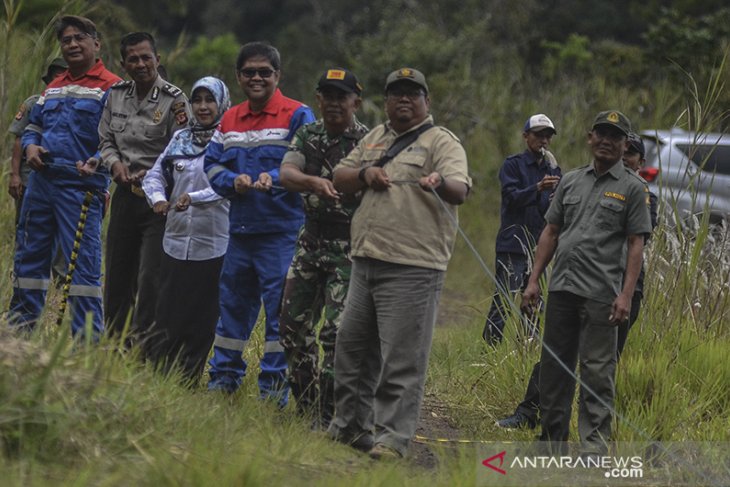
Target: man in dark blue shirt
(527, 180)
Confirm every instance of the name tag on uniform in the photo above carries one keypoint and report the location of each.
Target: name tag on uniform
(616, 196)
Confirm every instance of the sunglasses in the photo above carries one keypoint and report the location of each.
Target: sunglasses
(81, 36)
(262, 72)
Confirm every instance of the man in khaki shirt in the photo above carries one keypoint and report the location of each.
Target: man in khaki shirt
(402, 239)
(139, 119)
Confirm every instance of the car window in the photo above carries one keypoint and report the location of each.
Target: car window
(711, 158)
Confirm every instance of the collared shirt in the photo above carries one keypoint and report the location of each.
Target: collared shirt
(316, 153)
(405, 224)
(64, 121)
(135, 131)
(201, 231)
(251, 143)
(523, 206)
(596, 214)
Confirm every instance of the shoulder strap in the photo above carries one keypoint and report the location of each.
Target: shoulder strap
(401, 143)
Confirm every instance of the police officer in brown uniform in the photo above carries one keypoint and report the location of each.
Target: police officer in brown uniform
(139, 119)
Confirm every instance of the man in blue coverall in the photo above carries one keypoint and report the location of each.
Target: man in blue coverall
(527, 180)
(62, 135)
(242, 163)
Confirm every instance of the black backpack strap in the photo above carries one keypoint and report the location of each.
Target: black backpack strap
(401, 143)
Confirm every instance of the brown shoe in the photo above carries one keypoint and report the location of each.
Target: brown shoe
(381, 451)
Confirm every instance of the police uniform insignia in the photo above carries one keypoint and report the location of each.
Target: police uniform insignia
(616, 196)
(173, 90)
(122, 84)
(612, 117)
(155, 94)
(157, 116)
(405, 73)
(181, 116)
(21, 112)
(335, 74)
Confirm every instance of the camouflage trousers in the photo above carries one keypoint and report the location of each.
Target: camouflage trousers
(314, 294)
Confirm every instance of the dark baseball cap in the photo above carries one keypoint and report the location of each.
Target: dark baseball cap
(615, 119)
(636, 144)
(406, 74)
(58, 63)
(340, 78)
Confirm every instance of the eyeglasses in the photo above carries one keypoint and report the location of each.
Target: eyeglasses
(412, 94)
(262, 72)
(81, 36)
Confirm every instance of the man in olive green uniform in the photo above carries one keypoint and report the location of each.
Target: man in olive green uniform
(596, 227)
(320, 271)
(139, 119)
(402, 238)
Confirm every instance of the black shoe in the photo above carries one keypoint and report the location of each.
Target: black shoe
(516, 421)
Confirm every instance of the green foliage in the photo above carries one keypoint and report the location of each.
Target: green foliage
(688, 41)
(206, 57)
(570, 57)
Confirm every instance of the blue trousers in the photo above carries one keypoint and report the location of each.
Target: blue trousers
(254, 269)
(49, 217)
(511, 274)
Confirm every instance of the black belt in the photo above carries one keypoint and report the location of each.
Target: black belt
(328, 230)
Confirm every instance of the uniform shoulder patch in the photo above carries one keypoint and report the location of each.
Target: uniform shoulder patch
(21, 111)
(444, 129)
(122, 84)
(172, 90)
(180, 112)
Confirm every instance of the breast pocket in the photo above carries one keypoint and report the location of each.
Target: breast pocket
(154, 132)
(86, 115)
(409, 165)
(51, 112)
(571, 204)
(118, 124)
(609, 215)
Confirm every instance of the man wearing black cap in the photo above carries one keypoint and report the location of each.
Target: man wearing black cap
(634, 160)
(596, 227)
(413, 176)
(527, 181)
(320, 270)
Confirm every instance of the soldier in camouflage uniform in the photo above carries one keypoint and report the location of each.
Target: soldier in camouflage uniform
(319, 275)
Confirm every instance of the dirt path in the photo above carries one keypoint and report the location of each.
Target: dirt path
(433, 423)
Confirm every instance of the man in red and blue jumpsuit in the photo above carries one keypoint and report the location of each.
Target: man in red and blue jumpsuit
(62, 135)
(242, 163)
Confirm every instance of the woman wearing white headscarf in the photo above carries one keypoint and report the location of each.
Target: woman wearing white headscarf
(196, 238)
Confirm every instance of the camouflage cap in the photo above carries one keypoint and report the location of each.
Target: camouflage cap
(341, 79)
(57, 64)
(406, 74)
(615, 119)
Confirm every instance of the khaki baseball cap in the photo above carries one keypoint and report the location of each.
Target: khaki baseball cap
(406, 74)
